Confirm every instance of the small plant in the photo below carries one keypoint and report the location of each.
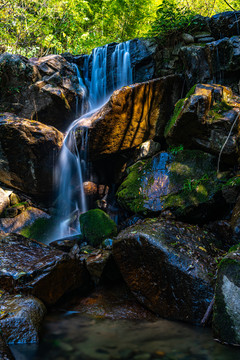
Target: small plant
(174, 150)
(192, 184)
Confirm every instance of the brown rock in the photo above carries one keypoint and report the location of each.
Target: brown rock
(31, 267)
(133, 114)
(28, 149)
(21, 318)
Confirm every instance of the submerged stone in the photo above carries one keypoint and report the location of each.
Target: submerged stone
(28, 266)
(226, 315)
(169, 267)
(184, 181)
(21, 318)
(96, 226)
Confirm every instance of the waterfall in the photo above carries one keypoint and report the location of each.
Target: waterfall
(102, 73)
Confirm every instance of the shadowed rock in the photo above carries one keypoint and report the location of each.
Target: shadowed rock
(31, 267)
(167, 266)
(28, 150)
(21, 318)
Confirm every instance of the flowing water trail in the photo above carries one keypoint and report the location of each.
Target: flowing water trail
(103, 72)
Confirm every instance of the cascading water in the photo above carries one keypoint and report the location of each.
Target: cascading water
(103, 72)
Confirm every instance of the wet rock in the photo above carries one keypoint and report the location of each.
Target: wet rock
(147, 149)
(195, 64)
(18, 223)
(96, 262)
(204, 119)
(223, 57)
(226, 315)
(31, 267)
(133, 114)
(28, 149)
(66, 244)
(96, 226)
(185, 183)
(235, 219)
(43, 89)
(4, 200)
(225, 24)
(21, 318)
(5, 352)
(168, 266)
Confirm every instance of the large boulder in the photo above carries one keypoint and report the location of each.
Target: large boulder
(28, 150)
(43, 89)
(207, 119)
(133, 114)
(21, 318)
(168, 266)
(226, 316)
(28, 266)
(185, 183)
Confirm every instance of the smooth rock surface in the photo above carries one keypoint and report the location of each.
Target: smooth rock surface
(133, 115)
(31, 267)
(28, 150)
(167, 266)
(21, 318)
(4, 200)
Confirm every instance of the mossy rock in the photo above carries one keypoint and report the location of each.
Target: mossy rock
(226, 314)
(40, 230)
(96, 226)
(185, 183)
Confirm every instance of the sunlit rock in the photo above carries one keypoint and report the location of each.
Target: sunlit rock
(132, 115)
(168, 266)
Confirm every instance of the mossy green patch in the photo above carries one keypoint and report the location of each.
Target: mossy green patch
(40, 230)
(217, 111)
(176, 113)
(96, 226)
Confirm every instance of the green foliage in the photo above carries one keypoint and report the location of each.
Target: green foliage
(175, 149)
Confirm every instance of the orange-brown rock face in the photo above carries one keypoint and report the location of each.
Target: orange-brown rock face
(28, 149)
(132, 115)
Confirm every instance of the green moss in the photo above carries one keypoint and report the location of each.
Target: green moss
(128, 193)
(176, 113)
(191, 91)
(96, 226)
(40, 230)
(217, 111)
(23, 203)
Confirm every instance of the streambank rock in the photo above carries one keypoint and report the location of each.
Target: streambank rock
(226, 316)
(4, 200)
(225, 24)
(183, 181)
(28, 150)
(43, 89)
(5, 352)
(21, 318)
(168, 266)
(206, 119)
(34, 268)
(235, 219)
(133, 114)
(25, 219)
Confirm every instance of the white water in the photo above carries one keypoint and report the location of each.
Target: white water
(101, 74)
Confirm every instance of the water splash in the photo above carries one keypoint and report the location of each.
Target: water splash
(103, 72)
